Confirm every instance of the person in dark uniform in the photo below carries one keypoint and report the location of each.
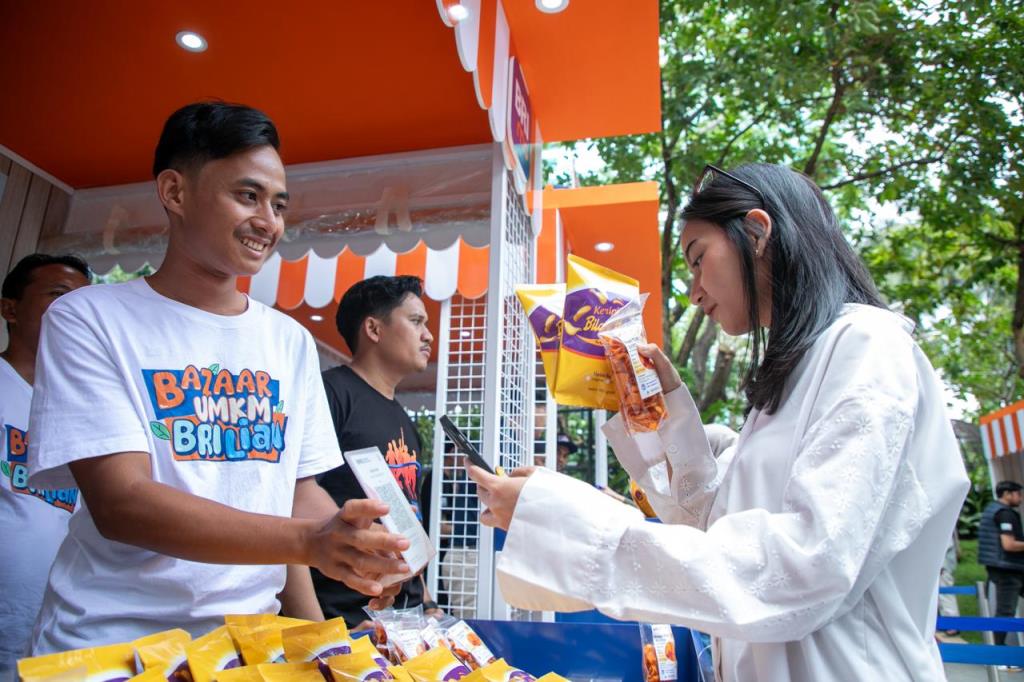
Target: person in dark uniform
(384, 323)
(1001, 549)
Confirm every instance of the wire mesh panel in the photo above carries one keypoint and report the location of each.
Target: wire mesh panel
(460, 395)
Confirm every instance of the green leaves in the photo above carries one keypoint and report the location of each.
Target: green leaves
(159, 430)
(5, 466)
(214, 368)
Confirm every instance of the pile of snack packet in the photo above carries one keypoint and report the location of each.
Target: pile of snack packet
(404, 646)
(659, 653)
(589, 330)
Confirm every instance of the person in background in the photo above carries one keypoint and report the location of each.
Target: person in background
(1001, 549)
(384, 322)
(34, 521)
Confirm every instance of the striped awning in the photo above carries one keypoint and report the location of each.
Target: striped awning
(317, 281)
(1002, 431)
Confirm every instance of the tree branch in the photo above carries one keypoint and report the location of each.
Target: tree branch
(885, 171)
(838, 90)
(715, 390)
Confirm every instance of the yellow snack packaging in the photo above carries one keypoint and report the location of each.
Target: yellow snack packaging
(261, 644)
(99, 664)
(316, 642)
(246, 673)
(436, 664)
(551, 677)
(593, 294)
(357, 666)
(399, 673)
(640, 497)
(543, 305)
(164, 652)
(366, 644)
(286, 622)
(211, 653)
(151, 675)
(290, 672)
(499, 671)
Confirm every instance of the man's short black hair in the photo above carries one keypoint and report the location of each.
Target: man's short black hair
(373, 297)
(1004, 487)
(21, 274)
(205, 131)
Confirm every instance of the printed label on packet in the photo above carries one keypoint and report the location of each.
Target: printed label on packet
(664, 647)
(646, 378)
(378, 483)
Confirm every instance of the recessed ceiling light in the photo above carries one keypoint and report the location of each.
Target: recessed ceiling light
(191, 41)
(458, 12)
(317, 318)
(552, 6)
(604, 247)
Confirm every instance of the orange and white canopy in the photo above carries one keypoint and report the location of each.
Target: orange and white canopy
(1002, 432)
(318, 281)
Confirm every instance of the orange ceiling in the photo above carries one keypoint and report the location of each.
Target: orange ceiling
(87, 85)
(625, 215)
(592, 69)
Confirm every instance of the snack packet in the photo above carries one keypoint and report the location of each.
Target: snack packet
(399, 631)
(164, 652)
(468, 646)
(543, 305)
(399, 673)
(245, 673)
(551, 677)
(499, 671)
(316, 642)
(593, 294)
(211, 653)
(433, 636)
(640, 498)
(641, 399)
(151, 675)
(97, 664)
(659, 646)
(436, 664)
(366, 644)
(260, 644)
(357, 666)
(290, 672)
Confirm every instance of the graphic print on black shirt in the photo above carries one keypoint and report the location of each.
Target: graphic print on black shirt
(364, 418)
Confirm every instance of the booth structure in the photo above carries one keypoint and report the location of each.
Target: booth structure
(1002, 439)
(413, 133)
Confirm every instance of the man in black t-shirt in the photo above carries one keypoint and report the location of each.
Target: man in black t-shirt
(384, 323)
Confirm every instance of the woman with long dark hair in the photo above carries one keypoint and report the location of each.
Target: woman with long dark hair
(809, 547)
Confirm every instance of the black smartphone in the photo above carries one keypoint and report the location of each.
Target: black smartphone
(463, 445)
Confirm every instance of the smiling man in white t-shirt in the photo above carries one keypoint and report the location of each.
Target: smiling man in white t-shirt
(34, 521)
(193, 419)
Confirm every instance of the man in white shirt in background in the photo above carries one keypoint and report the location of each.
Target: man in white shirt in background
(34, 521)
(194, 419)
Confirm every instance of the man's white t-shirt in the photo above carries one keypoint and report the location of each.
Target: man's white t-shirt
(34, 523)
(230, 408)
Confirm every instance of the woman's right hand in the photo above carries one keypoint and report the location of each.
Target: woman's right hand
(667, 373)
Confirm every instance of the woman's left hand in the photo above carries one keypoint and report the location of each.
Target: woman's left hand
(499, 494)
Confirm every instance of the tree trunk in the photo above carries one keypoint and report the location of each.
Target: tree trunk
(690, 339)
(715, 390)
(701, 350)
(1018, 306)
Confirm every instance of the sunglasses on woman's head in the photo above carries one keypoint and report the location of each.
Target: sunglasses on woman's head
(707, 178)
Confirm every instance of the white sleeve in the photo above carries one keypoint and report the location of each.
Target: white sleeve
(320, 450)
(753, 575)
(689, 446)
(82, 404)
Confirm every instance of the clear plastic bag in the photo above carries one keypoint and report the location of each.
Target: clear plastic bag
(641, 398)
